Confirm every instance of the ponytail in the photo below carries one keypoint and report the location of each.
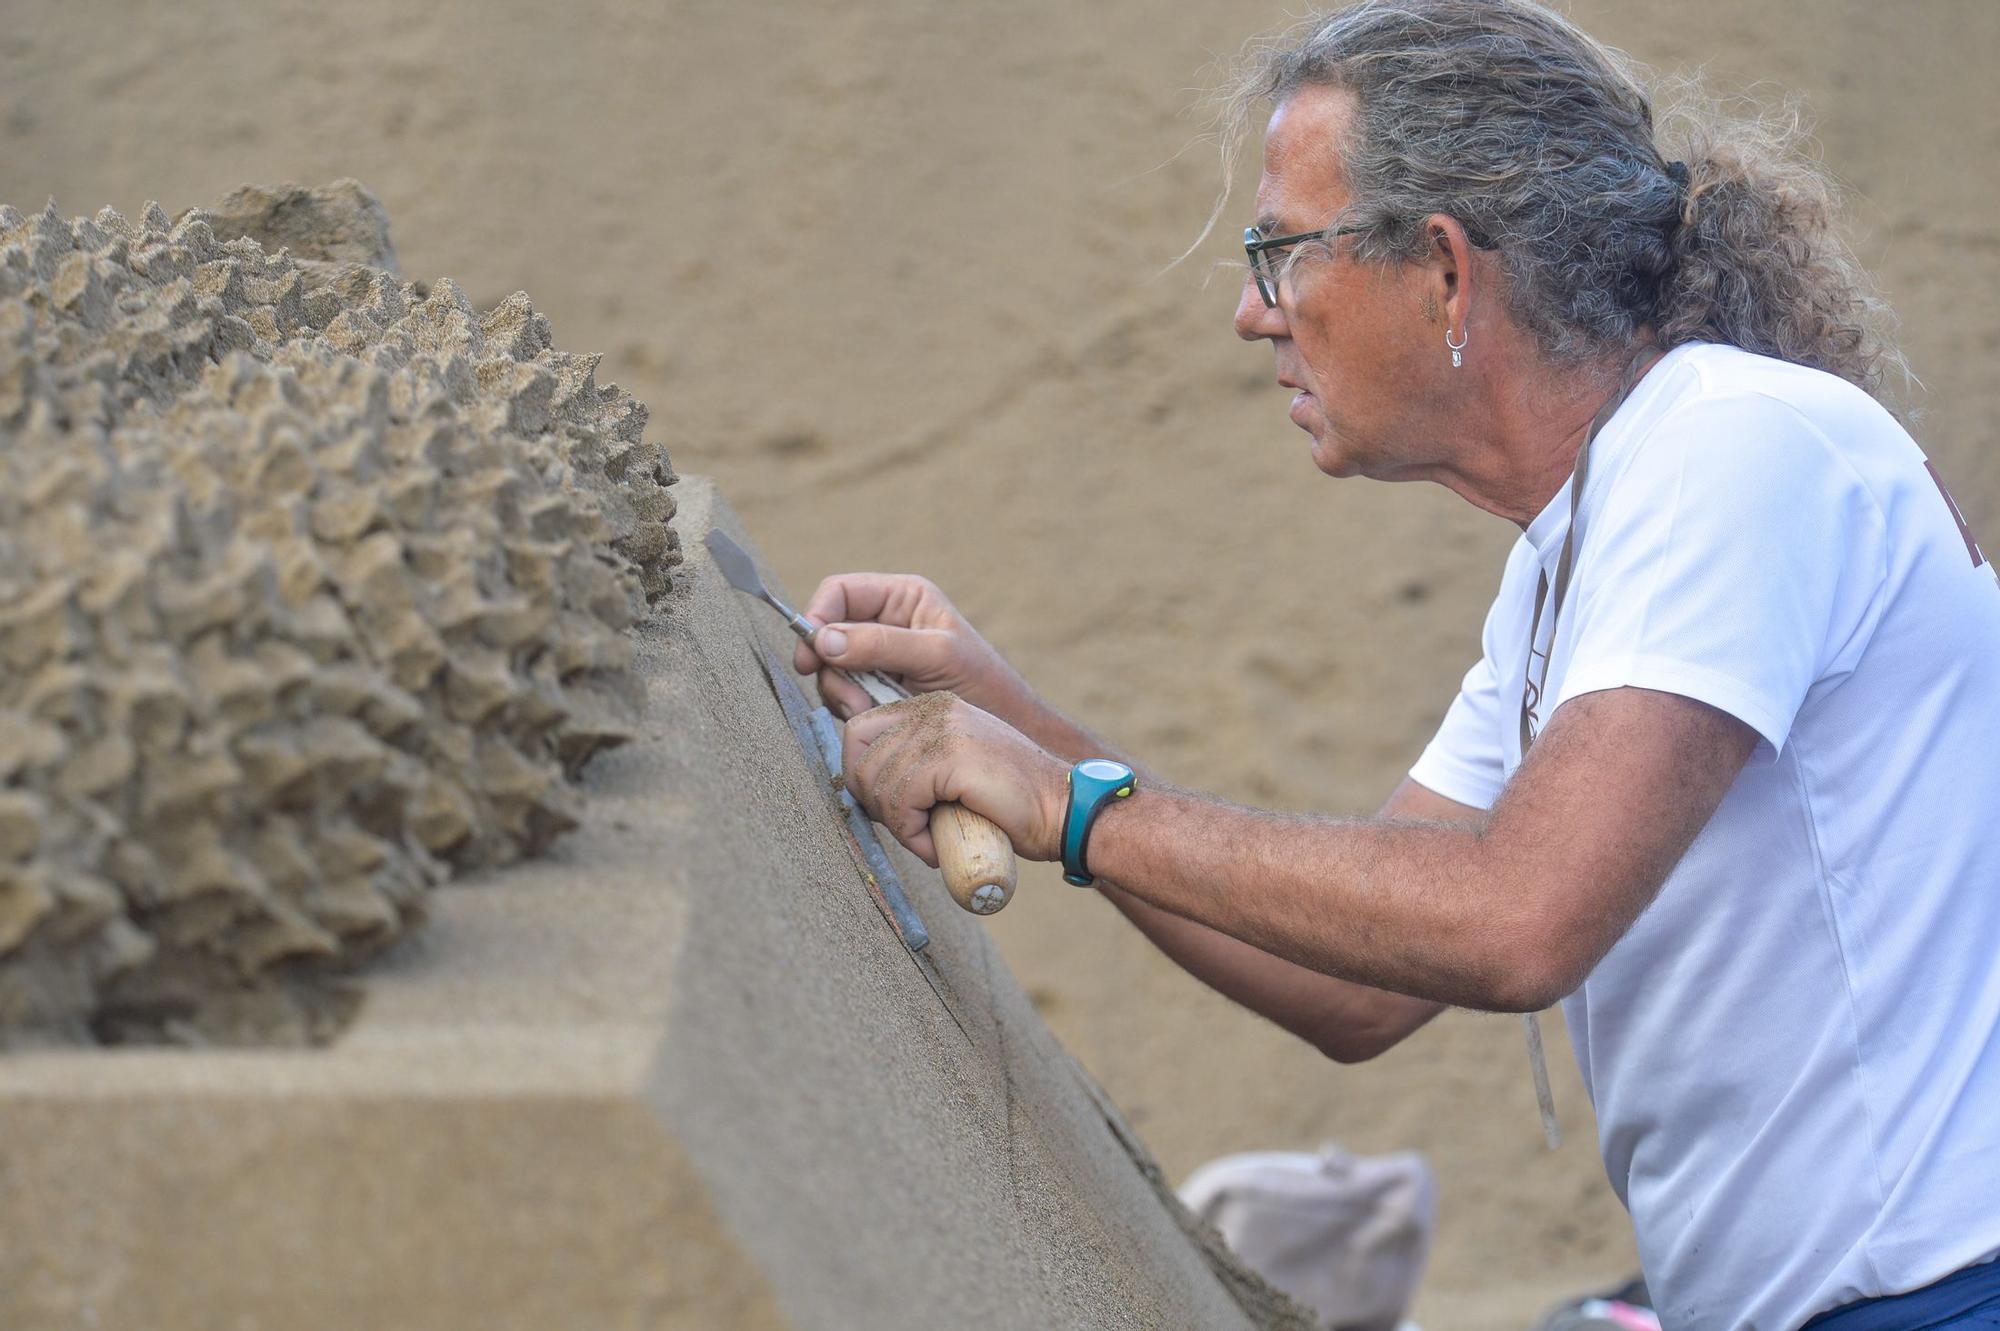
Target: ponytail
(1759, 261)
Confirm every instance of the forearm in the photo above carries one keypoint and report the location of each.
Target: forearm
(1406, 906)
(1066, 739)
(1345, 1021)
(1509, 910)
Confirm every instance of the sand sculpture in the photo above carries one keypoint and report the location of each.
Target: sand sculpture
(680, 1074)
(314, 587)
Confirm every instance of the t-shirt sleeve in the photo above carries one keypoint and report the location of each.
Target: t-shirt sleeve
(1737, 560)
(1466, 760)
(1463, 761)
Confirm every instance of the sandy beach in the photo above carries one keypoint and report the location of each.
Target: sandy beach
(902, 279)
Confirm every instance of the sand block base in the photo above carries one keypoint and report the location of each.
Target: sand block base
(679, 1073)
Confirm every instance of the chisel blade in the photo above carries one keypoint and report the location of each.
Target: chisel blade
(741, 572)
(735, 563)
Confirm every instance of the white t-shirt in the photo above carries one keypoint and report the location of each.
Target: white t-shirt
(1795, 1051)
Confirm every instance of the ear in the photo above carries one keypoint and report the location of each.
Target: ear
(1448, 278)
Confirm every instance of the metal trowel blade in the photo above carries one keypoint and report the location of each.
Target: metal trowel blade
(735, 563)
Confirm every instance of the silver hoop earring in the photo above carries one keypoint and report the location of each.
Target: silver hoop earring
(1458, 347)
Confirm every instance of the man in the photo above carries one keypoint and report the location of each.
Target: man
(1724, 781)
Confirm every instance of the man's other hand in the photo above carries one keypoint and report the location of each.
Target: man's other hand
(901, 759)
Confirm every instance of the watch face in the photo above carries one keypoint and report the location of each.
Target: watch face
(1103, 769)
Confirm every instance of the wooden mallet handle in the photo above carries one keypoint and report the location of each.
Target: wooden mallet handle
(975, 857)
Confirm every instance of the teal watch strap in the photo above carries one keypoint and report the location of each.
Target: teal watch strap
(1093, 783)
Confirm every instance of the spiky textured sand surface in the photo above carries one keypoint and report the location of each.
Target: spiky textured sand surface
(313, 588)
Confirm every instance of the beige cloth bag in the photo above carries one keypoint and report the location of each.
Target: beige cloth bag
(1344, 1235)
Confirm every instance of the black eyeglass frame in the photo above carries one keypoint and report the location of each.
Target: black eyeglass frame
(1256, 246)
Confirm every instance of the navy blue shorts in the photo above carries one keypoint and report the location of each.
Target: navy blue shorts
(1969, 1299)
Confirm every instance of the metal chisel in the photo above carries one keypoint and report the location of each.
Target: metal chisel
(974, 856)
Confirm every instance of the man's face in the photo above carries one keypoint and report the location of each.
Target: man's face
(1349, 336)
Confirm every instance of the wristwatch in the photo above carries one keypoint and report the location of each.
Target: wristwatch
(1093, 783)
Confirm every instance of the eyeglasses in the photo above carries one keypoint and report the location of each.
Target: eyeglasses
(1263, 254)
(1261, 250)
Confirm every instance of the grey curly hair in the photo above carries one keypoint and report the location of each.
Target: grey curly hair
(1541, 141)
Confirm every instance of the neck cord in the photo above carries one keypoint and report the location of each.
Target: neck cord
(1531, 688)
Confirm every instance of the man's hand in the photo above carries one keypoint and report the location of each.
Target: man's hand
(903, 758)
(902, 625)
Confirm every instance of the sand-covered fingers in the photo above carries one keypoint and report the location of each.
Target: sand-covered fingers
(901, 625)
(908, 756)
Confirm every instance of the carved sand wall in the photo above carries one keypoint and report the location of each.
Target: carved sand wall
(680, 1074)
(314, 587)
